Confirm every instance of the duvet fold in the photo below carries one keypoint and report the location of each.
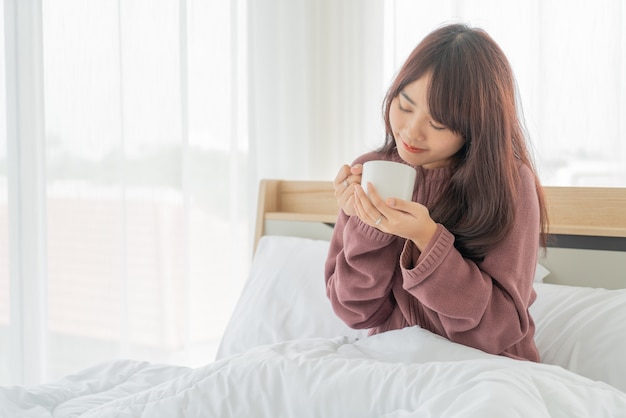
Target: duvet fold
(403, 373)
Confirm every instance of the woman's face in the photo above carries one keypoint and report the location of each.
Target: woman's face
(421, 140)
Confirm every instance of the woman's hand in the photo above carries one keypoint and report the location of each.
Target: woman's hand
(406, 219)
(345, 182)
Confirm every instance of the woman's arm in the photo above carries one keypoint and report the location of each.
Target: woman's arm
(483, 305)
(359, 271)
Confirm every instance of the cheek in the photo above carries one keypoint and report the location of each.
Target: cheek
(456, 143)
(394, 118)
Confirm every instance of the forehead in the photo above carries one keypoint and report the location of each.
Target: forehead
(416, 91)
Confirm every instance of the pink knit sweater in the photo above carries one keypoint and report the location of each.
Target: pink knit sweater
(383, 282)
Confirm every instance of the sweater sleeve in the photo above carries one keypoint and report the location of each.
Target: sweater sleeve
(483, 305)
(359, 271)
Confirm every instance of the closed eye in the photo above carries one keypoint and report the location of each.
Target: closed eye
(404, 96)
(402, 109)
(437, 127)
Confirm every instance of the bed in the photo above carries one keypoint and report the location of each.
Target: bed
(285, 354)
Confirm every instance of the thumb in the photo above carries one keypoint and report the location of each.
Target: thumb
(395, 203)
(400, 204)
(356, 169)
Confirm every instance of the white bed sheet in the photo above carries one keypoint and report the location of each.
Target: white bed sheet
(286, 354)
(403, 373)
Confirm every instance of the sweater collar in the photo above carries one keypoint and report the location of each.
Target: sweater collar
(433, 174)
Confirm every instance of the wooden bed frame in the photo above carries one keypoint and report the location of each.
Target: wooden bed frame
(588, 226)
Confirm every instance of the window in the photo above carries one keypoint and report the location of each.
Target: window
(568, 57)
(144, 192)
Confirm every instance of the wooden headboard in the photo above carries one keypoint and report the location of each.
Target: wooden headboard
(588, 225)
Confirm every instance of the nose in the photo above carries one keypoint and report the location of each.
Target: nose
(415, 127)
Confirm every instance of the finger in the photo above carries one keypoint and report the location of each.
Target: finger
(369, 213)
(360, 203)
(358, 206)
(338, 185)
(349, 201)
(375, 199)
(357, 169)
(343, 172)
(399, 204)
(354, 176)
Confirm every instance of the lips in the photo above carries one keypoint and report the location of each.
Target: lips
(413, 150)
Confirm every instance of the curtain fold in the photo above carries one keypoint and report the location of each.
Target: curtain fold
(25, 271)
(315, 85)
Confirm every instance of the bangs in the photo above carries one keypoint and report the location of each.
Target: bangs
(450, 93)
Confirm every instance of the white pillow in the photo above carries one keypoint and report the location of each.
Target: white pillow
(540, 273)
(583, 330)
(284, 297)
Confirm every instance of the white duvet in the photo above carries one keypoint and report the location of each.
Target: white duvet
(403, 373)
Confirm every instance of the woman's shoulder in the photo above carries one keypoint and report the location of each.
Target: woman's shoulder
(527, 180)
(373, 155)
(525, 173)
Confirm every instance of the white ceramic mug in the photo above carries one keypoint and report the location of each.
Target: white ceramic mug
(390, 178)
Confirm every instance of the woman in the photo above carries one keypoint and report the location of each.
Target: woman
(459, 259)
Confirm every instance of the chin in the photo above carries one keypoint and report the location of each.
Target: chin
(410, 158)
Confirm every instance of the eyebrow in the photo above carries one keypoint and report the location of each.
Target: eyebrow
(407, 97)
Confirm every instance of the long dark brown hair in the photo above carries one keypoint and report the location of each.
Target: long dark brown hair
(472, 92)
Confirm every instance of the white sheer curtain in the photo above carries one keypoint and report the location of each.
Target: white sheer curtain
(133, 135)
(124, 190)
(316, 84)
